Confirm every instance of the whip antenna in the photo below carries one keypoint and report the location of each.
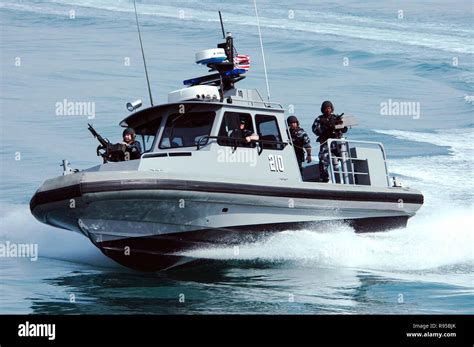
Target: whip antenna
(143, 53)
(261, 46)
(222, 25)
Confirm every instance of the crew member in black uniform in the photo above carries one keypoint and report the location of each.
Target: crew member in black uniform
(133, 147)
(301, 141)
(243, 133)
(324, 127)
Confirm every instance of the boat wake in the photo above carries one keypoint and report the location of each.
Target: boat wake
(429, 242)
(448, 38)
(20, 227)
(443, 179)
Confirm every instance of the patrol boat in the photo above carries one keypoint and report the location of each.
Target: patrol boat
(195, 186)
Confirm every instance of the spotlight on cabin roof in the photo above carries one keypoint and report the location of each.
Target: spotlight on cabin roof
(132, 106)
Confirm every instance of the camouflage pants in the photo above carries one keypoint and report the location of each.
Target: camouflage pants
(324, 159)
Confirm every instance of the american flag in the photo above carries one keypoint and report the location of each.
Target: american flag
(242, 61)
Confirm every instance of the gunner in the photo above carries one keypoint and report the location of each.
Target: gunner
(324, 127)
(133, 147)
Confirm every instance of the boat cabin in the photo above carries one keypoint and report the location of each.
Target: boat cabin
(200, 130)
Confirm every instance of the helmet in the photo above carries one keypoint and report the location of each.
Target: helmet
(129, 131)
(242, 120)
(292, 119)
(326, 104)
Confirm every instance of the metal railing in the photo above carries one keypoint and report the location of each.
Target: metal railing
(236, 142)
(345, 163)
(266, 104)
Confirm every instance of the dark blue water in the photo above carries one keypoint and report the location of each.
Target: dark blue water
(359, 55)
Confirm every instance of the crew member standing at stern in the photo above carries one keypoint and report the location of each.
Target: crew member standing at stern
(301, 141)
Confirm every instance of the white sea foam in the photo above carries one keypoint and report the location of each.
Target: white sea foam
(429, 242)
(18, 225)
(449, 40)
(469, 99)
(439, 177)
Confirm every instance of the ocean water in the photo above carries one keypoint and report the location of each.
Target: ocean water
(360, 55)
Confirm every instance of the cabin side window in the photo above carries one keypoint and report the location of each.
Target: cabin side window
(235, 126)
(148, 133)
(185, 130)
(267, 130)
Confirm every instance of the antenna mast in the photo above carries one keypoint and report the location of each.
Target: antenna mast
(222, 25)
(261, 46)
(143, 53)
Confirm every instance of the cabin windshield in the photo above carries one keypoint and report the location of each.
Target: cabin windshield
(148, 133)
(185, 130)
(267, 128)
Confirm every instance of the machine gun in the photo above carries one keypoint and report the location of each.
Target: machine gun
(341, 122)
(107, 150)
(103, 142)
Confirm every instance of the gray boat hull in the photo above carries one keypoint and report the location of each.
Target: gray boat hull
(147, 223)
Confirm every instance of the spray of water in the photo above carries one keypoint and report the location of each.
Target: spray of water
(428, 242)
(17, 225)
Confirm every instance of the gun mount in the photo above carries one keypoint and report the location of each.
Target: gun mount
(108, 151)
